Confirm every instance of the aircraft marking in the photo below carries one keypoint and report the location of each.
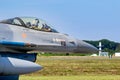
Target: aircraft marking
(24, 35)
(58, 40)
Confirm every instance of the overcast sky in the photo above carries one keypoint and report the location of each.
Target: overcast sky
(82, 19)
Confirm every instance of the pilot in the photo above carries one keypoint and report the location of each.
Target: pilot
(46, 28)
(35, 24)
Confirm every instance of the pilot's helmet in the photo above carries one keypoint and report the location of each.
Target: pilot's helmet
(35, 22)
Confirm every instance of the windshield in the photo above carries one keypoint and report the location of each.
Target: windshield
(30, 22)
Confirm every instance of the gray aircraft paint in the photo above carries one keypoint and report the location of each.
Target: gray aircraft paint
(17, 67)
(47, 41)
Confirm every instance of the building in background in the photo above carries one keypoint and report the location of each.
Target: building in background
(117, 54)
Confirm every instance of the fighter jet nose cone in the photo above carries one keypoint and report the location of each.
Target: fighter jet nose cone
(84, 47)
(92, 49)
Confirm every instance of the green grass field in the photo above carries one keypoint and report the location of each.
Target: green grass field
(76, 68)
(107, 77)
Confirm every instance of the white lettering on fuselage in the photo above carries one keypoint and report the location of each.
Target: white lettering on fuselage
(58, 40)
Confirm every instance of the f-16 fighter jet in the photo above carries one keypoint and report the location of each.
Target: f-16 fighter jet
(21, 35)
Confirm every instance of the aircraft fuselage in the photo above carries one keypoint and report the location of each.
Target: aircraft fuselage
(48, 41)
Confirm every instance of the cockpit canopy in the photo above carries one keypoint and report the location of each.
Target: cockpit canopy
(30, 22)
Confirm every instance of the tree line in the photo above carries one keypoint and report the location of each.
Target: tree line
(107, 45)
